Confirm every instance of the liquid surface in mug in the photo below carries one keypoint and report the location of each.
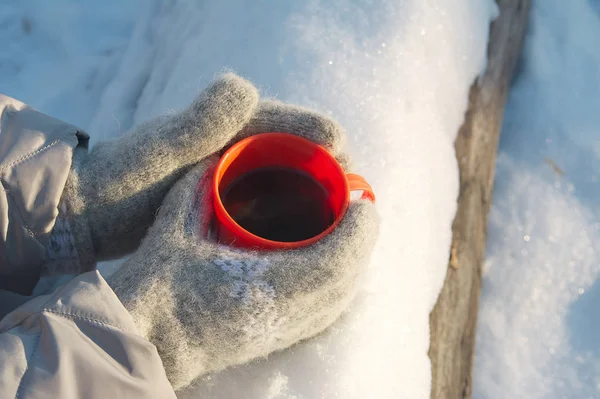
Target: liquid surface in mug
(279, 204)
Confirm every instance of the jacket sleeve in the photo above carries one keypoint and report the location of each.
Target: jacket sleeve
(78, 342)
(35, 159)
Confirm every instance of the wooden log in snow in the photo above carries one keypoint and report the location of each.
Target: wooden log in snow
(454, 318)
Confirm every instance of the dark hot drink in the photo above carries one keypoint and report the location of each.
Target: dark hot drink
(279, 204)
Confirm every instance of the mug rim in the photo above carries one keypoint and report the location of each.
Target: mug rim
(253, 239)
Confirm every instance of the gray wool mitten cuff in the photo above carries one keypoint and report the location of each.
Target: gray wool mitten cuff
(207, 306)
(112, 194)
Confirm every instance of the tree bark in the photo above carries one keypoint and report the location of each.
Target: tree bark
(454, 317)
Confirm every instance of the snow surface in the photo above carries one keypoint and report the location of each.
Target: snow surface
(539, 321)
(396, 73)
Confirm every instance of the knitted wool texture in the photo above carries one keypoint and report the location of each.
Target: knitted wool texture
(207, 306)
(112, 194)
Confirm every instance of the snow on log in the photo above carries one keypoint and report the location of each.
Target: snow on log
(453, 319)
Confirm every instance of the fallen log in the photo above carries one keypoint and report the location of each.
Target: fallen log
(453, 319)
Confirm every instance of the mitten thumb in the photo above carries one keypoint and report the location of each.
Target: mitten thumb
(117, 188)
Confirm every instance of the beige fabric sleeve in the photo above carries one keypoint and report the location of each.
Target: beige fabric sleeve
(78, 342)
(36, 152)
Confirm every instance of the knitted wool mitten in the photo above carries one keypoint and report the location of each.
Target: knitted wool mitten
(112, 194)
(208, 306)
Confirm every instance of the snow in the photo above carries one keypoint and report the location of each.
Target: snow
(538, 332)
(396, 73)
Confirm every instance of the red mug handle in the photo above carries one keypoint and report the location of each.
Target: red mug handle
(358, 183)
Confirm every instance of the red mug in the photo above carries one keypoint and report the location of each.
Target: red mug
(282, 150)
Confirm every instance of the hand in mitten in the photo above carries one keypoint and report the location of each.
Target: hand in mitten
(208, 306)
(112, 194)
